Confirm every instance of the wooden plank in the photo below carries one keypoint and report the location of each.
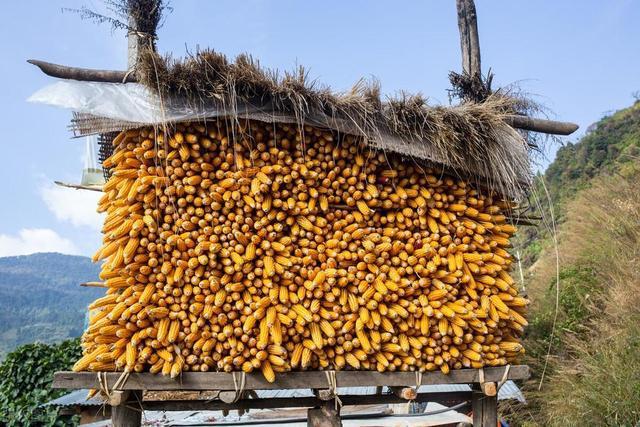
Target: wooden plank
(444, 398)
(485, 409)
(288, 380)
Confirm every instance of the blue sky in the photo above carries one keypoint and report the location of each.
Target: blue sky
(581, 58)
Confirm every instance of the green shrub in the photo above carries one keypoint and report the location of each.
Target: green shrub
(25, 383)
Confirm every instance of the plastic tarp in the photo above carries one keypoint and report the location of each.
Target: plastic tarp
(130, 102)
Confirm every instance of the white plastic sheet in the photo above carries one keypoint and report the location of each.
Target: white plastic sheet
(130, 102)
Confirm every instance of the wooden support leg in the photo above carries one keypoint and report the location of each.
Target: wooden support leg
(128, 413)
(485, 409)
(325, 416)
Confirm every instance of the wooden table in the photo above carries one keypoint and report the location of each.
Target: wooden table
(322, 412)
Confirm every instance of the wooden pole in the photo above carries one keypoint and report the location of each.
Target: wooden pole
(327, 415)
(82, 74)
(540, 125)
(469, 40)
(129, 413)
(133, 44)
(485, 408)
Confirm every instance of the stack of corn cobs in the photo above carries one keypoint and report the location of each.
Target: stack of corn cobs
(272, 249)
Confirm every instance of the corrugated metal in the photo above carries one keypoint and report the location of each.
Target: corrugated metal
(510, 390)
(76, 398)
(305, 392)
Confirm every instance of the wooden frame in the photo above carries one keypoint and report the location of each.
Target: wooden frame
(322, 410)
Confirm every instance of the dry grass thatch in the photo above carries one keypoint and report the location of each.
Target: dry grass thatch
(471, 139)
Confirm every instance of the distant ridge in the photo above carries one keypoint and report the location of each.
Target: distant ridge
(41, 298)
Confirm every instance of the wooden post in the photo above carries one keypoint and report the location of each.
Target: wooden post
(128, 413)
(324, 416)
(406, 393)
(133, 44)
(138, 40)
(485, 408)
(469, 40)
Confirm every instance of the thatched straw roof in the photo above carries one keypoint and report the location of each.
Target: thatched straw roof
(471, 139)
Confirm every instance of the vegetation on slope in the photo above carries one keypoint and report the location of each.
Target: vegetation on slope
(590, 357)
(611, 146)
(41, 298)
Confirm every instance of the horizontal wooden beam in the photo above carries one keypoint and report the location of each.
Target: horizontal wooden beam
(541, 125)
(287, 380)
(83, 74)
(447, 399)
(114, 76)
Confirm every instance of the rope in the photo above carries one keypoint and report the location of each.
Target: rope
(418, 382)
(122, 380)
(104, 386)
(117, 386)
(333, 387)
(239, 389)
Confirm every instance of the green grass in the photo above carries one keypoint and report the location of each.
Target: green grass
(591, 377)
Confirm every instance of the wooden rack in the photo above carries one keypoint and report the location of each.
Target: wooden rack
(126, 407)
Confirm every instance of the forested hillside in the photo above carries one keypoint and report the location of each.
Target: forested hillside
(611, 146)
(584, 283)
(41, 298)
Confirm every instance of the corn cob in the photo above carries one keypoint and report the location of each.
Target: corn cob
(228, 256)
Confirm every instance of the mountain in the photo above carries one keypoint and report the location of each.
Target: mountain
(41, 298)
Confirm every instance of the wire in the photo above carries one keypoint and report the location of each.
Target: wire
(554, 235)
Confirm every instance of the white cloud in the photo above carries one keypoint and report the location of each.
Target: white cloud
(75, 206)
(31, 240)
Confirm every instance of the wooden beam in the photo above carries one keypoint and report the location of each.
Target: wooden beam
(540, 125)
(113, 76)
(444, 398)
(469, 40)
(83, 74)
(286, 380)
